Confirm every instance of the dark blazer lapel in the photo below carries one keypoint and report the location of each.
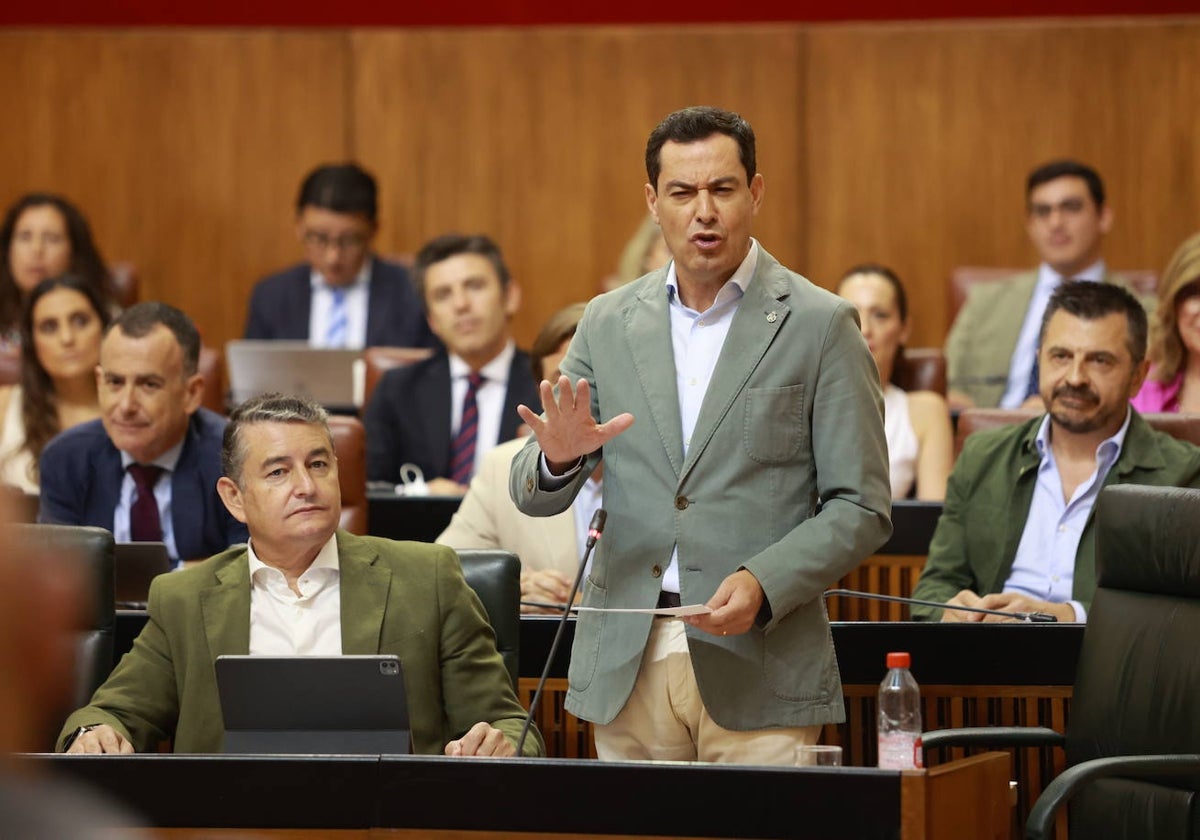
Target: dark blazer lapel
(648, 334)
(297, 303)
(514, 395)
(108, 476)
(432, 411)
(226, 608)
(365, 586)
(187, 503)
(758, 319)
(379, 305)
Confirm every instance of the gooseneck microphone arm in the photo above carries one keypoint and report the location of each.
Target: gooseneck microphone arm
(1028, 617)
(595, 529)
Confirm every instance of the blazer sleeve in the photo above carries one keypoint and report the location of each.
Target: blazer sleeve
(383, 431)
(947, 569)
(61, 498)
(258, 323)
(139, 698)
(475, 682)
(474, 524)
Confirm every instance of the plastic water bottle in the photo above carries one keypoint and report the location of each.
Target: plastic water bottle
(899, 716)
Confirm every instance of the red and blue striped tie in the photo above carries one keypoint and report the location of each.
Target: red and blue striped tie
(462, 450)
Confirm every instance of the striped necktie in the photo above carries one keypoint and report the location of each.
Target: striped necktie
(338, 325)
(462, 450)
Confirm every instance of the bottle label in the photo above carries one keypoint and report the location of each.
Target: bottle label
(900, 751)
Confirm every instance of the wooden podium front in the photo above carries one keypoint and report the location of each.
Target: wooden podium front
(343, 797)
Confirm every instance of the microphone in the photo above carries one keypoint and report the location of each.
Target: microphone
(595, 529)
(1027, 617)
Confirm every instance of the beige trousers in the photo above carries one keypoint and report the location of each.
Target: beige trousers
(665, 720)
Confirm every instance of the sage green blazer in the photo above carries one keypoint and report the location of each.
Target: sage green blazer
(792, 417)
(408, 599)
(988, 498)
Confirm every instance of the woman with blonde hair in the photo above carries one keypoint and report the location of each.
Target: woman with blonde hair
(1174, 352)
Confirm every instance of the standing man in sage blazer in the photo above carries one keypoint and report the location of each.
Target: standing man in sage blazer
(727, 396)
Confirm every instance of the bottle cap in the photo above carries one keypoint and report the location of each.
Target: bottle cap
(899, 660)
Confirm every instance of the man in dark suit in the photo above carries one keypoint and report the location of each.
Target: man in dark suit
(342, 296)
(416, 414)
(304, 588)
(148, 468)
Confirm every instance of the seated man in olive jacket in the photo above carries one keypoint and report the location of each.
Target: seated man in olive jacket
(1017, 531)
(357, 595)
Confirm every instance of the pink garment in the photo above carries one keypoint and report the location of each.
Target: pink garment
(1159, 396)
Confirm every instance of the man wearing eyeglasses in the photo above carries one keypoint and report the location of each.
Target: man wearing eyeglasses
(991, 351)
(342, 295)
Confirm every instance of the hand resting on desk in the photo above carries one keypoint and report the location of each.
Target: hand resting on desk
(102, 739)
(1007, 601)
(548, 586)
(484, 740)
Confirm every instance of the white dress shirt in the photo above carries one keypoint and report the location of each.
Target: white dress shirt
(357, 293)
(489, 398)
(1021, 364)
(162, 495)
(283, 623)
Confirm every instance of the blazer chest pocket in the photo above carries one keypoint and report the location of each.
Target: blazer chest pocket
(774, 427)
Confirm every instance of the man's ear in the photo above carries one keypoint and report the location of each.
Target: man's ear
(512, 298)
(231, 495)
(652, 202)
(193, 390)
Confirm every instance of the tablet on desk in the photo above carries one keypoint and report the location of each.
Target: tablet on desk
(135, 564)
(337, 705)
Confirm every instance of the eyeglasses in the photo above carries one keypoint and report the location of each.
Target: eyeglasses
(321, 241)
(1068, 207)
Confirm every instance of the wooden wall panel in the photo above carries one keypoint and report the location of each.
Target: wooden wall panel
(920, 137)
(184, 148)
(537, 137)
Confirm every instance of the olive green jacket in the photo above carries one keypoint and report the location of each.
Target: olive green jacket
(988, 498)
(407, 599)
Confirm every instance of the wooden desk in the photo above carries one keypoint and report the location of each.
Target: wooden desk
(376, 796)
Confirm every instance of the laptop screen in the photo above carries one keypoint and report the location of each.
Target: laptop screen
(343, 705)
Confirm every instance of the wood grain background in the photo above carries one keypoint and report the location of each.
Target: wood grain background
(904, 143)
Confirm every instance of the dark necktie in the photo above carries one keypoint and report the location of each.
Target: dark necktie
(144, 522)
(462, 450)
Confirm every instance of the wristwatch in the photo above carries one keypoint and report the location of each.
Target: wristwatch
(71, 740)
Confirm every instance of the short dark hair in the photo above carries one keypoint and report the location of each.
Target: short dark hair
(340, 187)
(558, 328)
(698, 123)
(451, 245)
(1090, 301)
(139, 320)
(266, 408)
(1066, 168)
(86, 261)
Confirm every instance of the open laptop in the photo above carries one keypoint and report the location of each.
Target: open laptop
(135, 564)
(340, 705)
(332, 377)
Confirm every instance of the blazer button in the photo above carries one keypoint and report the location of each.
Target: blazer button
(529, 485)
(656, 570)
(681, 502)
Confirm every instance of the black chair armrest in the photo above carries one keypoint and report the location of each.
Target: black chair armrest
(1040, 824)
(993, 736)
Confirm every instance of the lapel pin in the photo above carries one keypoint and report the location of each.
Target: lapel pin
(772, 317)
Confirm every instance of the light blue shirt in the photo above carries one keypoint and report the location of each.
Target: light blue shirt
(357, 293)
(162, 495)
(587, 501)
(1044, 567)
(697, 339)
(1025, 352)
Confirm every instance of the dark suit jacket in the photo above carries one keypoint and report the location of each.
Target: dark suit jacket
(408, 418)
(281, 305)
(405, 599)
(81, 483)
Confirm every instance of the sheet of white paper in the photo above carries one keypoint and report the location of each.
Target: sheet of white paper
(689, 609)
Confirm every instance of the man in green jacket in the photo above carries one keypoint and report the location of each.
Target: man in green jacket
(303, 587)
(1017, 532)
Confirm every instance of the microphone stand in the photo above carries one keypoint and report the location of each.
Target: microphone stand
(1027, 617)
(595, 529)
